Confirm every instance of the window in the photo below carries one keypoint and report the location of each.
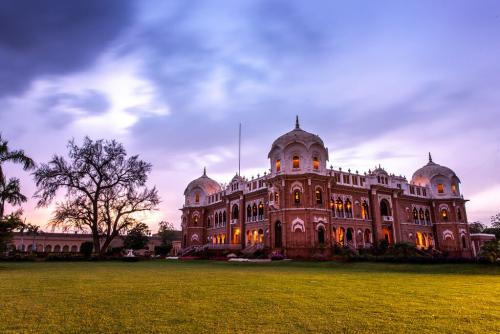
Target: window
(355, 180)
(415, 215)
(444, 214)
(254, 212)
(384, 208)
(337, 177)
(346, 179)
(261, 211)
(276, 197)
(278, 165)
(235, 212)
(348, 208)
(197, 197)
(427, 217)
(421, 215)
(315, 163)
(424, 192)
(321, 235)
(454, 188)
(464, 242)
(440, 188)
(196, 220)
(249, 213)
(459, 214)
(224, 220)
(296, 196)
(332, 205)
(418, 191)
(277, 235)
(340, 208)
(319, 196)
(364, 210)
(412, 190)
(296, 162)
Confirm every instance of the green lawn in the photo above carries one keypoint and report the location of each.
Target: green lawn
(220, 297)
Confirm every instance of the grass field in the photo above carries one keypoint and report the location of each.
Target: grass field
(220, 297)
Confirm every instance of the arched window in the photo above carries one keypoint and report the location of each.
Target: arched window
(421, 216)
(216, 219)
(261, 211)
(208, 222)
(464, 242)
(364, 211)
(261, 236)
(278, 165)
(321, 235)
(254, 212)
(459, 214)
(367, 236)
(348, 235)
(197, 197)
(348, 208)
(440, 188)
(332, 205)
(277, 235)
(195, 220)
(296, 197)
(315, 163)
(235, 212)
(454, 188)
(340, 208)
(277, 197)
(384, 208)
(224, 218)
(444, 214)
(319, 196)
(415, 215)
(427, 217)
(249, 213)
(296, 162)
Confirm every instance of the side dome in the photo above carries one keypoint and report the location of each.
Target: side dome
(198, 190)
(298, 151)
(442, 181)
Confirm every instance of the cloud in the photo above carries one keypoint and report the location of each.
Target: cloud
(41, 39)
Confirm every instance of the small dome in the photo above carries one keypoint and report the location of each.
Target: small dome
(206, 184)
(431, 170)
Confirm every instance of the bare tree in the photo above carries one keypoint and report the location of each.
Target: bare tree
(104, 189)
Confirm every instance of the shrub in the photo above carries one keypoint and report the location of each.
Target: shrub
(277, 256)
(86, 249)
(163, 250)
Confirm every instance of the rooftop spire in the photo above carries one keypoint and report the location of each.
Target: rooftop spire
(204, 171)
(297, 126)
(430, 157)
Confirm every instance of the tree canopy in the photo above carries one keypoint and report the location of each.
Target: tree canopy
(137, 237)
(104, 189)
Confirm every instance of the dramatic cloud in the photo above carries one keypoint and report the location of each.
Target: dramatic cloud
(379, 82)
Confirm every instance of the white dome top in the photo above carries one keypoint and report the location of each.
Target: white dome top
(308, 149)
(429, 171)
(441, 180)
(204, 183)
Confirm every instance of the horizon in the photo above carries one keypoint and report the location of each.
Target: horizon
(380, 85)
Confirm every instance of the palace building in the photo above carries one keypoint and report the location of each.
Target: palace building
(301, 207)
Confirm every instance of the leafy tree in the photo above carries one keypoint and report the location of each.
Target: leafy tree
(9, 189)
(491, 251)
(493, 230)
(86, 248)
(476, 227)
(8, 225)
(104, 189)
(495, 221)
(137, 237)
(167, 232)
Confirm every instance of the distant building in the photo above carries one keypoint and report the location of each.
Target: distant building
(301, 207)
(70, 242)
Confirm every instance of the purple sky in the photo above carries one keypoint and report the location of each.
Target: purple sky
(380, 81)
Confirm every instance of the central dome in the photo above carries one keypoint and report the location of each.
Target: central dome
(299, 144)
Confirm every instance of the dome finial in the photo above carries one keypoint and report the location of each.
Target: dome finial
(297, 126)
(204, 171)
(430, 157)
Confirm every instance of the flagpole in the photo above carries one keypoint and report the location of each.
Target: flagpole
(239, 151)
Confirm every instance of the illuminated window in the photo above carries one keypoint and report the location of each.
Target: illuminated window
(319, 196)
(196, 220)
(421, 215)
(315, 163)
(459, 214)
(440, 188)
(261, 211)
(296, 196)
(276, 197)
(444, 214)
(340, 208)
(364, 211)
(197, 197)
(454, 188)
(278, 165)
(348, 208)
(295, 162)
